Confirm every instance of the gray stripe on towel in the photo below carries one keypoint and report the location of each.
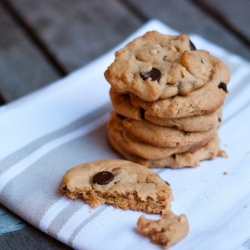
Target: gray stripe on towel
(26, 193)
(85, 222)
(20, 154)
(63, 217)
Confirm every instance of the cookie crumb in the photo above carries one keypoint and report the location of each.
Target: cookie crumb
(222, 153)
(165, 231)
(225, 173)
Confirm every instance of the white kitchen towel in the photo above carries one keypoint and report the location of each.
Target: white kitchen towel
(46, 133)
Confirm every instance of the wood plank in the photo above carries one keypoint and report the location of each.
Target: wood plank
(23, 68)
(78, 31)
(2, 99)
(30, 238)
(9, 222)
(235, 13)
(186, 17)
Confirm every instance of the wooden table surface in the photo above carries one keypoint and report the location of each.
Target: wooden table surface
(42, 41)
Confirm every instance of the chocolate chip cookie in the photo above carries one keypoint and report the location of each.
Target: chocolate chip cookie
(121, 183)
(129, 143)
(156, 66)
(164, 136)
(193, 123)
(178, 160)
(122, 105)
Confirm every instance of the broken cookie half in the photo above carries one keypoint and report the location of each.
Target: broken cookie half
(121, 183)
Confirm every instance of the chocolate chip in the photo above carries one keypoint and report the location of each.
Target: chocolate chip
(191, 45)
(219, 119)
(121, 117)
(223, 86)
(154, 73)
(145, 75)
(179, 85)
(167, 183)
(64, 188)
(142, 113)
(103, 178)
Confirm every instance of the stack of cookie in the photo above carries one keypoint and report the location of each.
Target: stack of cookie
(167, 99)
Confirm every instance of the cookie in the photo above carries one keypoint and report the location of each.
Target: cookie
(122, 105)
(121, 183)
(121, 138)
(157, 66)
(187, 159)
(166, 231)
(204, 100)
(164, 136)
(194, 123)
